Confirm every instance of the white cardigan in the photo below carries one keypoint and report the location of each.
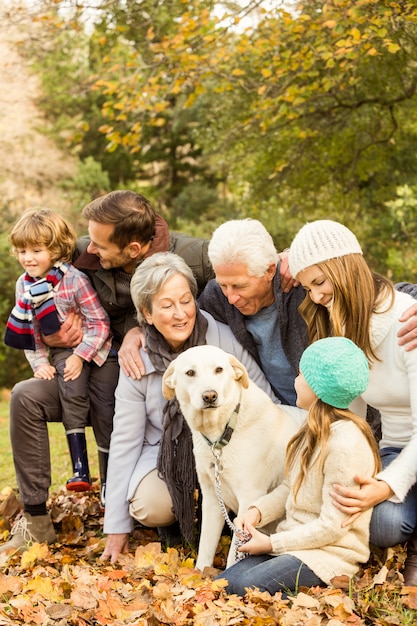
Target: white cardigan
(311, 529)
(393, 391)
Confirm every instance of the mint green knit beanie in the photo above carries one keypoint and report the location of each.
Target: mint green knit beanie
(336, 370)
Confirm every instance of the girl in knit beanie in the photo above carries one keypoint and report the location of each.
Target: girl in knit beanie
(310, 545)
(344, 297)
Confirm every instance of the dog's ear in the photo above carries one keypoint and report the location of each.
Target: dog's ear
(168, 382)
(240, 371)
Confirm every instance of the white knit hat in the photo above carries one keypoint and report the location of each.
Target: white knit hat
(320, 241)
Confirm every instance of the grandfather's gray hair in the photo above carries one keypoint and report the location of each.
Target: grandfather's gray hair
(243, 241)
(152, 274)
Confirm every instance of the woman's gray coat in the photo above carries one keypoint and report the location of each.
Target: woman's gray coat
(137, 427)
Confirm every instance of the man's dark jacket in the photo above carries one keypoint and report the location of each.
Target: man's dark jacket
(122, 318)
(293, 328)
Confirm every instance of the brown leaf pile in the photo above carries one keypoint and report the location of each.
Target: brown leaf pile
(67, 584)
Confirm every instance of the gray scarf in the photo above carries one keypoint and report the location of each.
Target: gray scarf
(176, 465)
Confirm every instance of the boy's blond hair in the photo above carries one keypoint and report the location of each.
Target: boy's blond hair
(44, 227)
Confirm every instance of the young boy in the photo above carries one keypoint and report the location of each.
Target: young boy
(49, 290)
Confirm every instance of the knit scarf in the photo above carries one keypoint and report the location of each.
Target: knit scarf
(38, 300)
(176, 465)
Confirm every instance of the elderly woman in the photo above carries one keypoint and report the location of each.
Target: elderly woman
(163, 290)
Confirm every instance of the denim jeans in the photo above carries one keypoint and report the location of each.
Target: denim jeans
(393, 523)
(270, 573)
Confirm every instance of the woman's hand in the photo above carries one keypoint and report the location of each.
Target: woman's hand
(259, 543)
(287, 281)
(129, 356)
(353, 502)
(69, 335)
(115, 545)
(251, 517)
(408, 332)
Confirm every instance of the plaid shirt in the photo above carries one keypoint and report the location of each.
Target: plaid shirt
(74, 294)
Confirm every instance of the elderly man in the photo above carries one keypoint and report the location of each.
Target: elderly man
(247, 294)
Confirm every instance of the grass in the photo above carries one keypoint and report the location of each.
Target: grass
(381, 607)
(60, 458)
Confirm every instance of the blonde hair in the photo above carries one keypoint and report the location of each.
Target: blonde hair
(357, 295)
(314, 435)
(44, 227)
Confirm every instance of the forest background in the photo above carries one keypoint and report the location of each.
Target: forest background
(284, 112)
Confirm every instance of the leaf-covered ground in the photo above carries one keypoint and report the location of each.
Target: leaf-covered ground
(68, 584)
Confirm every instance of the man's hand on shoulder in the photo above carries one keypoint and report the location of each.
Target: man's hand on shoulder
(129, 356)
(408, 332)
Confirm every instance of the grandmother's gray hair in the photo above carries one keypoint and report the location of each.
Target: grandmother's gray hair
(152, 274)
(243, 241)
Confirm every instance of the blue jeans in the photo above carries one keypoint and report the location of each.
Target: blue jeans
(270, 573)
(393, 523)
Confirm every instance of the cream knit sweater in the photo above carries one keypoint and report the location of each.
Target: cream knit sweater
(311, 529)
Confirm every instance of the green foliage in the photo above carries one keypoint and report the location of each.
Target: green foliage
(13, 364)
(299, 114)
(195, 199)
(64, 56)
(89, 106)
(162, 138)
(88, 182)
(400, 260)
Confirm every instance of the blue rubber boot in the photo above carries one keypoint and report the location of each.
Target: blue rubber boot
(81, 480)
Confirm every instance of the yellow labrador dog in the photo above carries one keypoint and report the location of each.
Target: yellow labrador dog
(231, 417)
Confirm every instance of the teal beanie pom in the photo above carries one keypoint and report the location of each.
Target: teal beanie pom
(336, 370)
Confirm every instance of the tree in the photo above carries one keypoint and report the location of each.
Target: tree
(161, 151)
(307, 112)
(305, 101)
(13, 364)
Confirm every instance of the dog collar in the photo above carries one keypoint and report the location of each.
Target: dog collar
(226, 436)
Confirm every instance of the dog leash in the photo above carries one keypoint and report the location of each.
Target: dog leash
(242, 537)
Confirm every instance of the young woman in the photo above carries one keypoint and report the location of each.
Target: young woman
(310, 546)
(344, 297)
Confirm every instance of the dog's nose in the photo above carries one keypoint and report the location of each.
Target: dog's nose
(210, 397)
